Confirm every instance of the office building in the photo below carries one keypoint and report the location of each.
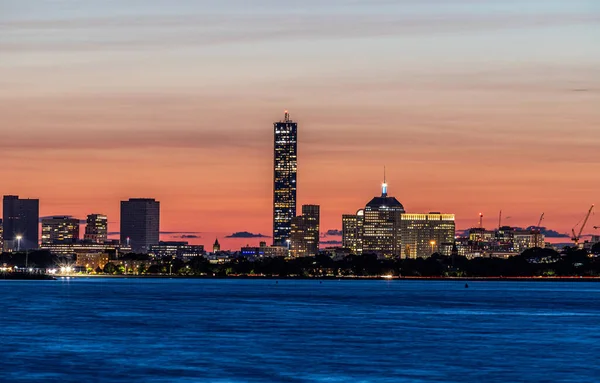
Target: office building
(304, 235)
(527, 239)
(425, 234)
(20, 223)
(140, 223)
(352, 231)
(112, 248)
(96, 228)
(60, 229)
(285, 168)
(176, 249)
(263, 251)
(1, 237)
(381, 227)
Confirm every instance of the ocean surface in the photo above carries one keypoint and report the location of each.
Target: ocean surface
(211, 330)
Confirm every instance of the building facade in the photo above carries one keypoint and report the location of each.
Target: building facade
(111, 248)
(425, 234)
(60, 229)
(20, 223)
(140, 223)
(173, 249)
(381, 227)
(285, 167)
(263, 251)
(352, 231)
(96, 228)
(304, 236)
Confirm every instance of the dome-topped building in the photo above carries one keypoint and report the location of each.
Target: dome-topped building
(381, 227)
(385, 201)
(384, 228)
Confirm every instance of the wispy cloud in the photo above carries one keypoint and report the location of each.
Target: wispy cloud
(152, 32)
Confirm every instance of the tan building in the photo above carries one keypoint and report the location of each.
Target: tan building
(425, 234)
(304, 236)
(92, 260)
(352, 231)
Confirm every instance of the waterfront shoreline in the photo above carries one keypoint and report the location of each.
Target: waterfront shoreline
(457, 279)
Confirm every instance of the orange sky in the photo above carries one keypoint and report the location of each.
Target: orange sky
(495, 115)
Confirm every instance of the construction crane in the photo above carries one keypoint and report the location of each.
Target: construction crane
(538, 231)
(577, 237)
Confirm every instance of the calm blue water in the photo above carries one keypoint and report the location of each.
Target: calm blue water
(160, 330)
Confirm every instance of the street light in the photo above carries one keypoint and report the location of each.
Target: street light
(19, 237)
(432, 243)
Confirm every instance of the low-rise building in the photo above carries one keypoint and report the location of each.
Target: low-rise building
(112, 248)
(264, 251)
(176, 249)
(91, 261)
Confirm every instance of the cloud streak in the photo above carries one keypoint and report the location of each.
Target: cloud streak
(168, 32)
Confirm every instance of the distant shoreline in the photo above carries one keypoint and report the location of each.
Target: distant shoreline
(457, 279)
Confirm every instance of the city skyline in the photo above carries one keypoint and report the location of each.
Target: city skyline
(466, 96)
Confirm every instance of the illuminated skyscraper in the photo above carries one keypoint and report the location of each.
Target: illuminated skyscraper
(352, 231)
(304, 237)
(381, 227)
(96, 229)
(20, 223)
(140, 223)
(285, 168)
(60, 229)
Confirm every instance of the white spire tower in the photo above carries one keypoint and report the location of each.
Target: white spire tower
(384, 185)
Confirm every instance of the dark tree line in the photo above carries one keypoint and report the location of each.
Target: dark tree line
(532, 262)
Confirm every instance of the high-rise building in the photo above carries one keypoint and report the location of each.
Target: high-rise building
(381, 228)
(352, 231)
(60, 229)
(140, 223)
(20, 223)
(425, 234)
(285, 168)
(304, 235)
(1, 236)
(96, 228)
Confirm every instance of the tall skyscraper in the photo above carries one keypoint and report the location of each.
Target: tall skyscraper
(381, 227)
(20, 223)
(96, 228)
(60, 229)
(304, 236)
(140, 223)
(285, 168)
